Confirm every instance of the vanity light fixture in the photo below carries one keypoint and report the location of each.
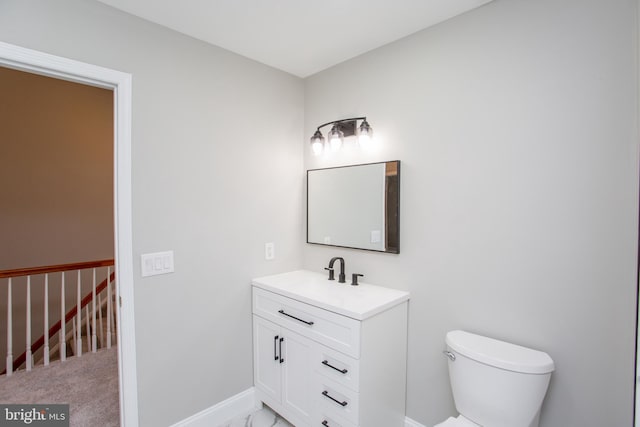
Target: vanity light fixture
(341, 129)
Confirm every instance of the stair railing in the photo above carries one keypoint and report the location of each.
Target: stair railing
(74, 314)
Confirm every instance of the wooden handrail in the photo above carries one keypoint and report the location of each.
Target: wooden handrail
(18, 361)
(54, 268)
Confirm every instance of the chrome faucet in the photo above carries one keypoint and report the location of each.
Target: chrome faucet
(330, 268)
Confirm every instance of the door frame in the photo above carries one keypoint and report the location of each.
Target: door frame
(32, 61)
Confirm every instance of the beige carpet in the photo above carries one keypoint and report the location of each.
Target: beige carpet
(89, 385)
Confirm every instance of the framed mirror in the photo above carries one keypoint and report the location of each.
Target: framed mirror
(355, 206)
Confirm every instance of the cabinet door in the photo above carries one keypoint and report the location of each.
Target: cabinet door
(297, 374)
(266, 357)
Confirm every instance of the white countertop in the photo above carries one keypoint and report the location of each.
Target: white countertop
(358, 302)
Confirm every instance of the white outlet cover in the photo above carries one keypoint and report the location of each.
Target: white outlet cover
(269, 251)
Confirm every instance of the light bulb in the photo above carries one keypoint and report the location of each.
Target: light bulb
(335, 138)
(365, 136)
(335, 143)
(316, 147)
(317, 143)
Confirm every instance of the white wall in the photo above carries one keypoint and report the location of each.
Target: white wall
(217, 172)
(516, 125)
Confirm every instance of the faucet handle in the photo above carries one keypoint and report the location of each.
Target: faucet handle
(331, 276)
(354, 279)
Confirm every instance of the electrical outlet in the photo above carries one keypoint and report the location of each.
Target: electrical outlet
(269, 251)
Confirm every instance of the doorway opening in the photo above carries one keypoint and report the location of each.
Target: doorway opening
(18, 58)
(57, 228)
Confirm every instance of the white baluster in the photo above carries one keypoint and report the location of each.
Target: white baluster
(62, 335)
(88, 326)
(79, 322)
(75, 337)
(9, 362)
(46, 319)
(94, 337)
(100, 324)
(108, 307)
(29, 359)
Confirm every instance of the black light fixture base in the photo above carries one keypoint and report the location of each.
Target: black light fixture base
(348, 127)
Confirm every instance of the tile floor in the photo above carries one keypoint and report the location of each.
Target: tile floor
(264, 417)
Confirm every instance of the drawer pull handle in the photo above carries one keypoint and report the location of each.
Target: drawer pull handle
(275, 348)
(281, 358)
(294, 317)
(326, 363)
(325, 423)
(326, 394)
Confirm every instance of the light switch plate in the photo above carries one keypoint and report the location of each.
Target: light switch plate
(156, 263)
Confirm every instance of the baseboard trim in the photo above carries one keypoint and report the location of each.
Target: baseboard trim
(235, 406)
(408, 422)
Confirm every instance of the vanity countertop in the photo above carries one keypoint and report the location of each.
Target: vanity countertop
(358, 302)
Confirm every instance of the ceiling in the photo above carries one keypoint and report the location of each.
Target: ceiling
(301, 37)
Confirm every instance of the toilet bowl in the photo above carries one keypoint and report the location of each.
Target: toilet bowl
(495, 383)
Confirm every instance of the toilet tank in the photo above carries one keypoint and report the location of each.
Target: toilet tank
(495, 383)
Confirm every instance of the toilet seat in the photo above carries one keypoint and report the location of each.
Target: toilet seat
(457, 422)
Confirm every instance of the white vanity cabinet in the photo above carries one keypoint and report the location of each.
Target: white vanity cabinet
(330, 354)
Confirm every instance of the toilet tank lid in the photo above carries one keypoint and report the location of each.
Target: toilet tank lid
(500, 354)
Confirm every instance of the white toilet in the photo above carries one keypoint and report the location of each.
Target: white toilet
(494, 383)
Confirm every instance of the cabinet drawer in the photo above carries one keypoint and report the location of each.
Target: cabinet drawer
(333, 330)
(324, 420)
(337, 366)
(335, 400)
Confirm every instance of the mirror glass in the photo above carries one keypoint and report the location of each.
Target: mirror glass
(355, 206)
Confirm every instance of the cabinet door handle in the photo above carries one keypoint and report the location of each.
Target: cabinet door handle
(294, 317)
(326, 394)
(275, 348)
(326, 423)
(281, 358)
(326, 363)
